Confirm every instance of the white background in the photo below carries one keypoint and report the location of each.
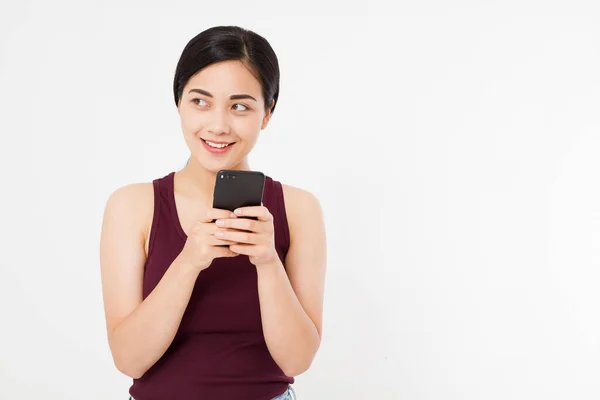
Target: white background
(455, 151)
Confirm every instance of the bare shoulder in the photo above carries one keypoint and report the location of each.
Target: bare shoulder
(295, 192)
(303, 209)
(133, 202)
(133, 193)
(300, 202)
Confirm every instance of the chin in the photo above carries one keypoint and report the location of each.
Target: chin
(214, 166)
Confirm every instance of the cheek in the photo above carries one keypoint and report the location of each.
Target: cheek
(248, 134)
(248, 125)
(192, 122)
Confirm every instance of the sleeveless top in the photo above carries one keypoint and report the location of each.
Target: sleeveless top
(219, 351)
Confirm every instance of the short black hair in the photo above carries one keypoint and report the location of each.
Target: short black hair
(225, 43)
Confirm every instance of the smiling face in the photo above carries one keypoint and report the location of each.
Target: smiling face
(222, 104)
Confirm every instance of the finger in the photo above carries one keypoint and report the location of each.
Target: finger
(244, 224)
(245, 249)
(238, 236)
(213, 214)
(225, 252)
(260, 212)
(214, 241)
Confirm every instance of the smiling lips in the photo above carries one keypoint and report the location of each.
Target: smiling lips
(217, 147)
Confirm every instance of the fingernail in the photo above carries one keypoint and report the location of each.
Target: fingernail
(238, 211)
(220, 222)
(219, 234)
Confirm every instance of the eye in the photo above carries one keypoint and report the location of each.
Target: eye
(195, 101)
(244, 109)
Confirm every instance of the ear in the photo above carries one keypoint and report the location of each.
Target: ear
(267, 116)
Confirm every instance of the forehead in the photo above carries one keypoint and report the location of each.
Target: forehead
(224, 79)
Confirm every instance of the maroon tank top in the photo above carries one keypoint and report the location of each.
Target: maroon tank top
(219, 351)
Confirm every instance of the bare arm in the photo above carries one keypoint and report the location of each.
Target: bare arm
(292, 304)
(139, 332)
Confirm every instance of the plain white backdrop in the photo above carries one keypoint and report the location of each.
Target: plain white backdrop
(455, 151)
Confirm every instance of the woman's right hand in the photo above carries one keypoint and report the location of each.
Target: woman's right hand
(202, 246)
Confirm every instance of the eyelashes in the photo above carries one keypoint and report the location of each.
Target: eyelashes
(246, 108)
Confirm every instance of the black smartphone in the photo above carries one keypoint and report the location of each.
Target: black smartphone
(235, 189)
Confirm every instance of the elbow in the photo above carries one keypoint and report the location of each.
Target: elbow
(297, 368)
(127, 369)
(295, 371)
(302, 364)
(123, 361)
(126, 365)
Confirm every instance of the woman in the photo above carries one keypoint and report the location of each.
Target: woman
(187, 318)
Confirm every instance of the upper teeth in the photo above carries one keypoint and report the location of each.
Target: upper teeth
(217, 145)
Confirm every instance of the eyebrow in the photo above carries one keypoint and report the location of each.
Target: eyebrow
(232, 97)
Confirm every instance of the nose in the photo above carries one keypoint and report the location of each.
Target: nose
(218, 123)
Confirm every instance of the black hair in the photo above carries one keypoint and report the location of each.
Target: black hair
(224, 43)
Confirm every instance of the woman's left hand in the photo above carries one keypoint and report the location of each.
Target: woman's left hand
(255, 238)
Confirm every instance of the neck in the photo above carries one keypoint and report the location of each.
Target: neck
(199, 182)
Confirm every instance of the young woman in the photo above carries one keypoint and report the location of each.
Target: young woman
(188, 319)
